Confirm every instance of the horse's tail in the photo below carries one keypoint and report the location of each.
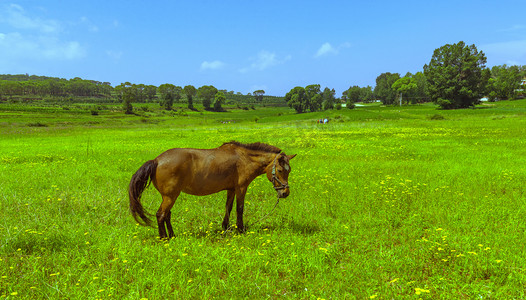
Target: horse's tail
(138, 183)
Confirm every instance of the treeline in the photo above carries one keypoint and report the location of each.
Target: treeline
(387, 90)
(207, 95)
(25, 85)
(34, 87)
(456, 77)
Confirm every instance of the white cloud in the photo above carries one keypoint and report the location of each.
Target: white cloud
(326, 49)
(15, 46)
(30, 38)
(91, 27)
(212, 65)
(265, 60)
(516, 27)
(506, 52)
(15, 16)
(115, 55)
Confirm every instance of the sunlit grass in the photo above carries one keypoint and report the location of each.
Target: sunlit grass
(385, 203)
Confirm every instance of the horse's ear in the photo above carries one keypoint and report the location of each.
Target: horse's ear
(291, 156)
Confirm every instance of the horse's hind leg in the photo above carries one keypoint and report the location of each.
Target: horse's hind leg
(164, 216)
(229, 203)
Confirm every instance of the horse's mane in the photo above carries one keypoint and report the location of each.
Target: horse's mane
(256, 146)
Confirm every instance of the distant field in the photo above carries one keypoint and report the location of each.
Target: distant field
(386, 203)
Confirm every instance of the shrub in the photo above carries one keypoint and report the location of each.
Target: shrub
(437, 117)
(37, 124)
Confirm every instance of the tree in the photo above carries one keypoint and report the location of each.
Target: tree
(353, 95)
(259, 95)
(297, 99)
(404, 85)
(314, 98)
(190, 92)
(328, 98)
(140, 95)
(207, 93)
(150, 91)
(303, 99)
(167, 92)
(128, 94)
(383, 89)
(316, 102)
(420, 93)
(366, 94)
(178, 93)
(456, 76)
(219, 99)
(504, 82)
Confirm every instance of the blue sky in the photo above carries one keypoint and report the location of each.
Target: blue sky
(244, 45)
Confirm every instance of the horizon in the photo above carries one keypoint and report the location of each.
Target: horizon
(242, 47)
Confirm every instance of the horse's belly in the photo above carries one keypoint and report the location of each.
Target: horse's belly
(203, 190)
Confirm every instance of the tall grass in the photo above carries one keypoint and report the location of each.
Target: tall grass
(385, 203)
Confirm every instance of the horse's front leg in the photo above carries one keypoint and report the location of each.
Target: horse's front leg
(240, 206)
(229, 203)
(169, 224)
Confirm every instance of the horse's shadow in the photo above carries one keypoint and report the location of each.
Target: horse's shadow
(290, 225)
(300, 228)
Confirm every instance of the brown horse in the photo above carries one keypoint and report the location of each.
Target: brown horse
(231, 167)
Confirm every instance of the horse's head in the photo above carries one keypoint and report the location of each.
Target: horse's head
(278, 173)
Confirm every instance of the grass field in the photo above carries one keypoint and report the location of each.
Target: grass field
(386, 203)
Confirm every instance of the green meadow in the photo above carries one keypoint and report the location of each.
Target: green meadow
(406, 202)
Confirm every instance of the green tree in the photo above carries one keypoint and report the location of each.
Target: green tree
(383, 89)
(190, 92)
(140, 94)
(314, 97)
(219, 99)
(150, 91)
(316, 102)
(352, 95)
(328, 98)
(456, 76)
(421, 92)
(366, 94)
(128, 94)
(404, 85)
(206, 93)
(303, 99)
(178, 93)
(297, 99)
(167, 92)
(259, 95)
(504, 82)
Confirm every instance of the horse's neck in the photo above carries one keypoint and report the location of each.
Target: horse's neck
(258, 162)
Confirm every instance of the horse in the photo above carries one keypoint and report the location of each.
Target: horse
(231, 167)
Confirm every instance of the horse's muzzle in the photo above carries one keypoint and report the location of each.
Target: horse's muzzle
(282, 188)
(283, 193)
